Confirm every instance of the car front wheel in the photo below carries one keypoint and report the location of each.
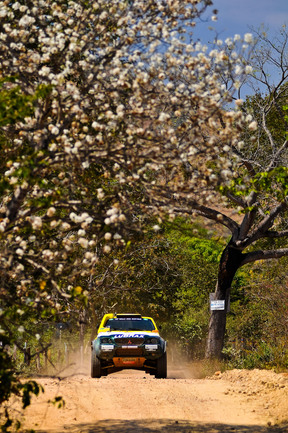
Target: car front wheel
(96, 370)
(161, 367)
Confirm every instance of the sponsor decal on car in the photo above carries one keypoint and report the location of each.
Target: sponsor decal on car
(151, 347)
(129, 335)
(128, 360)
(129, 347)
(107, 347)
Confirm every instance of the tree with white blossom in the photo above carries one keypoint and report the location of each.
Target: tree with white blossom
(85, 110)
(90, 106)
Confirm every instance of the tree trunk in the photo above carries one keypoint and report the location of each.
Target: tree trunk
(94, 320)
(229, 263)
(82, 323)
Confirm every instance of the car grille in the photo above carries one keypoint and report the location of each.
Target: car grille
(128, 341)
(128, 352)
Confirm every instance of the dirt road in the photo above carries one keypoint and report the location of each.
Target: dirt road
(238, 401)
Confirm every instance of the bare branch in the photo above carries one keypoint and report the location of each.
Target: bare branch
(209, 213)
(268, 132)
(263, 255)
(261, 230)
(276, 235)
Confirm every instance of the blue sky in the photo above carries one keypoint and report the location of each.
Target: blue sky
(238, 16)
(235, 16)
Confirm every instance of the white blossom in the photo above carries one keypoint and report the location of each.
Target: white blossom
(47, 254)
(239, 102)
(20, 312)
(226, 174)
(83, 242)
(51, 211)
(163, 117)
(238, 70)
(65, 226)
(55, 130)
(112, 211)
(248, 69)
(26, 20)
(122, 218)
(156, 228)
(13, 180)
(253, 126)
(44, 71)
(85, 164)
(107, 249)
(248, 37)
(36, 222)
(89, 255)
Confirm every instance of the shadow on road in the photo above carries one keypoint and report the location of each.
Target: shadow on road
(163, 426)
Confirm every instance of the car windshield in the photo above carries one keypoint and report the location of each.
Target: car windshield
(130, 324)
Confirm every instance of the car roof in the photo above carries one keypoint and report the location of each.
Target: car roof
(108, 316)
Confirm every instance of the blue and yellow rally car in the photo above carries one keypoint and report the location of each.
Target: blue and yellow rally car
(128, 341)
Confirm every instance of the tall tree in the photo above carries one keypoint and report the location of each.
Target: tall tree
(92, 135)
(259, 185)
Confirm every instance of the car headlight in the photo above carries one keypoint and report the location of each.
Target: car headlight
(152, 341)
(106, 340)
(152, 344)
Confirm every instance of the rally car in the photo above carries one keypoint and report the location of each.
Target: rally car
(128, 341)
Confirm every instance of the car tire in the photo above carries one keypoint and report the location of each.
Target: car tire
(161, 367)
(96, 370)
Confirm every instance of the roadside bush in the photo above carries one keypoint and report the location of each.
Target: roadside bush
(257, 326)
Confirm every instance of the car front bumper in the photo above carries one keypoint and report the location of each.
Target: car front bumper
(115, 351)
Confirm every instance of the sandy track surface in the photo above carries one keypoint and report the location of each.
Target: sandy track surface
(237, 401)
